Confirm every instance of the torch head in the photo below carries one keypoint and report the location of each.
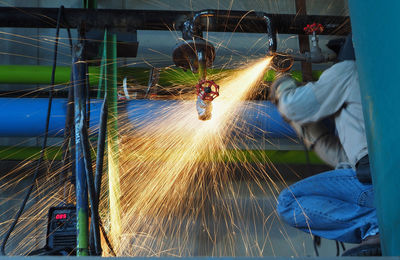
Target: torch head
(281, 62)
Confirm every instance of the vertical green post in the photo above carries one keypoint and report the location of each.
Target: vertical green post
(112, 136)
(89, 4)
(103, 71)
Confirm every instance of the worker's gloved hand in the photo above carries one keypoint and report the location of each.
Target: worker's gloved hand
(281, 62)
(282, 82)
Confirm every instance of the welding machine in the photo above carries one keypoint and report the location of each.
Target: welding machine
(61, 229)
(61, 232)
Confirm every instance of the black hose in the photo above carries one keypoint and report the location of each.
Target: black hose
(343, 247)
(90, 183)
(272, 41)
(100, 148)
(103, 231)
(316, 243)
(68, 30)
(87, 98)
(99, 166)
(69, 120)
(99, 163)
(192, 28)
(85, 145)
(39, 162)
(337, 248)
(68, 134)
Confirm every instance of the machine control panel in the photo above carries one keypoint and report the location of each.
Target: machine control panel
(61, 231)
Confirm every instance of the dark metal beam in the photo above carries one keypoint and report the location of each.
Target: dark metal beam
(126, 20)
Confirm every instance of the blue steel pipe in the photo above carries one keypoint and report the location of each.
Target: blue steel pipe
(26, 116)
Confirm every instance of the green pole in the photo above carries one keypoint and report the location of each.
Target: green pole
(110, 83)
(89, 4)
(102, 72)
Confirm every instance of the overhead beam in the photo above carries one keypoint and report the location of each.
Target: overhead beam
(125, 20)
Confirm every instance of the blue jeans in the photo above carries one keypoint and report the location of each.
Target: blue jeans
(333, 205)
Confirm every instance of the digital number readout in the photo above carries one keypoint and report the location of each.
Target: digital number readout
(61, 216)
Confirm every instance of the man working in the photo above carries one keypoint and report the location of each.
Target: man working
(337, 204)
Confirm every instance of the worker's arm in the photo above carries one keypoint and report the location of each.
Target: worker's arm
(327, 146)
(315, 100)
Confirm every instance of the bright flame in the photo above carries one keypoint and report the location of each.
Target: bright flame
(234, 89)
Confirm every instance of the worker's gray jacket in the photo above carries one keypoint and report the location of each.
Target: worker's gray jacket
(337, 92)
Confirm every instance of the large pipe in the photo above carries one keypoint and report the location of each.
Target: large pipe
(376, 40)
(33, 74)
(26, 116)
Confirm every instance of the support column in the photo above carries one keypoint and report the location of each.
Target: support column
(376, 42)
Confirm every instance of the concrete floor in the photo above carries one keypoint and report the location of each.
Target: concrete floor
(265, 232)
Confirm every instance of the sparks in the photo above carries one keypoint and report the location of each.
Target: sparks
(163, 176)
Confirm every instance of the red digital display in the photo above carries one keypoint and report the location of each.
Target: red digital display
(61, 216)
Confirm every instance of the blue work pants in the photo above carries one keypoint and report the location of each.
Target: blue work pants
(332, 205)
